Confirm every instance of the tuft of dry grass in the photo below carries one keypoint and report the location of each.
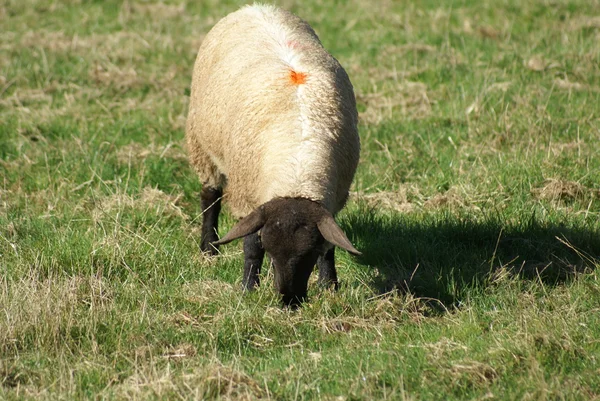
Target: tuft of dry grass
(210, 382)
(409, 199)
(583, 22)
(403, 98)
(46, 310)
(473, 371)
(152, 199)
(394, 200)
(557, 190)
(154, 10)
(565, 84)
(452, 198)
(137, 153)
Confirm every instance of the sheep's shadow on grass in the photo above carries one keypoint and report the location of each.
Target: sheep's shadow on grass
(442, 257)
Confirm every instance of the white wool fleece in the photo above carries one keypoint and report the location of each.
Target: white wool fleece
(272, 113)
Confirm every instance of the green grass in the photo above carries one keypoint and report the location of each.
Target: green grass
(476, 206)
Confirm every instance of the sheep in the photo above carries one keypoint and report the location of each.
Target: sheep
(272, 120)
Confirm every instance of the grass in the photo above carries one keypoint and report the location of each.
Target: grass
(476, 206)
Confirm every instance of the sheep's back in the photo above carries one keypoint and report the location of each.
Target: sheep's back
(274, 110)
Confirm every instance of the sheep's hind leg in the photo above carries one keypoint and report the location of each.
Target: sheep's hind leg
(327, 273)
(210, 200)
(253, 258)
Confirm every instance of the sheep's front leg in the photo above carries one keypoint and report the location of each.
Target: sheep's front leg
(253, 258)
(327, 273)
(210, 200)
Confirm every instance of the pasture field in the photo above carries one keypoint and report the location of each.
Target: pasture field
(476, 206)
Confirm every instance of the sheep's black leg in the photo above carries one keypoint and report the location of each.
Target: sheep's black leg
(253, 258)
(210, 200)
(327, 273)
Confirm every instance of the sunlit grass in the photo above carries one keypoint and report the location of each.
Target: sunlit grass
(475, 205)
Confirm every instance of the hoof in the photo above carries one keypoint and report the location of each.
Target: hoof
(329, 284)
(209, 249)
(293, 301)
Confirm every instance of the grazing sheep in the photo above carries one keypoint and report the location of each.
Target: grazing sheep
(273, 120)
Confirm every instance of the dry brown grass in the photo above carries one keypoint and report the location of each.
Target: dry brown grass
(46, 309)
(214, 380)
(137, 153)
(557, 190)
(409, 199)
(400, 98)
(206, 290)
(582, 22)
(473, 371)
(158, 11)
(565, 84)
(150, 199)
(393, 200)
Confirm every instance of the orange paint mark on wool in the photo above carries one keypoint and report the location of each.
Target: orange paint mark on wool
(297, 78)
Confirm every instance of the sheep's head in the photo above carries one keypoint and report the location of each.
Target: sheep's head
(294, 232)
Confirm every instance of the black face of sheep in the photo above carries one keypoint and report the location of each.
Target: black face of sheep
(294, 232)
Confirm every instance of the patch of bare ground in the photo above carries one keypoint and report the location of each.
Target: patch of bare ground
(557, 190)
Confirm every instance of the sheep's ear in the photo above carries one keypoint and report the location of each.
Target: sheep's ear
(248, 225)
(334, 234)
